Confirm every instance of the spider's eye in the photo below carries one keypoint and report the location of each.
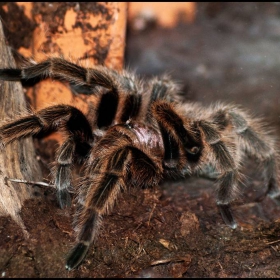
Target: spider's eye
(194, 150)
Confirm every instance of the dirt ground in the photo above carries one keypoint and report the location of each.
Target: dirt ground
(231, 53)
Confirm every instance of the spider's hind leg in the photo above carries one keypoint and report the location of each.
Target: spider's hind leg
(262, 146)
(256, 141)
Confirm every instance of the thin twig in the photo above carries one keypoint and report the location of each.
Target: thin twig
(186, 258)
(151, 214)
(273, 242)
(41, 184)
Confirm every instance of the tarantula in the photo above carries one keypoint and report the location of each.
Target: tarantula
(140, 134)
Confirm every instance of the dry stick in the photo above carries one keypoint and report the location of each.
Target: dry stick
(37, 183)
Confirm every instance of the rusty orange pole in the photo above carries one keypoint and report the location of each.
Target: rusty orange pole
(92, 33)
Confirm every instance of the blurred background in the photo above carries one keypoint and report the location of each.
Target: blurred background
(227, 51)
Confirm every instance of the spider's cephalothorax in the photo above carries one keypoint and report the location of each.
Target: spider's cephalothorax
(140, 134)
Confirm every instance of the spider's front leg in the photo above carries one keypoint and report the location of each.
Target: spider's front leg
(81, 80)
(60, 117)
(115, 163)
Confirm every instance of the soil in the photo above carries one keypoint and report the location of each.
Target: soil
(230, 54)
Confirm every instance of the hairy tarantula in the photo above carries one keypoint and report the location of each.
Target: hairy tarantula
(140, 134)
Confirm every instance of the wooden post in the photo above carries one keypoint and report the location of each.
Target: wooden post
(18, 159)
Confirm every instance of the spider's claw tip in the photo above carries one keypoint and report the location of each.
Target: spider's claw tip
(76, 256)
(227, 215)
(233, 225)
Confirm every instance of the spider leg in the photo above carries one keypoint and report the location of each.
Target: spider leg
(97, 193)
(59, 117)
(162, 88)
(81, 80)
(112, 170)
(142, 171)
(66, 155)
(177, 140)
(228, 168)
(64, 161)
(260, 145)
(49, 119)
(56, 68)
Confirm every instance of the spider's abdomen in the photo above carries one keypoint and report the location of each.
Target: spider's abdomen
(147, 138)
